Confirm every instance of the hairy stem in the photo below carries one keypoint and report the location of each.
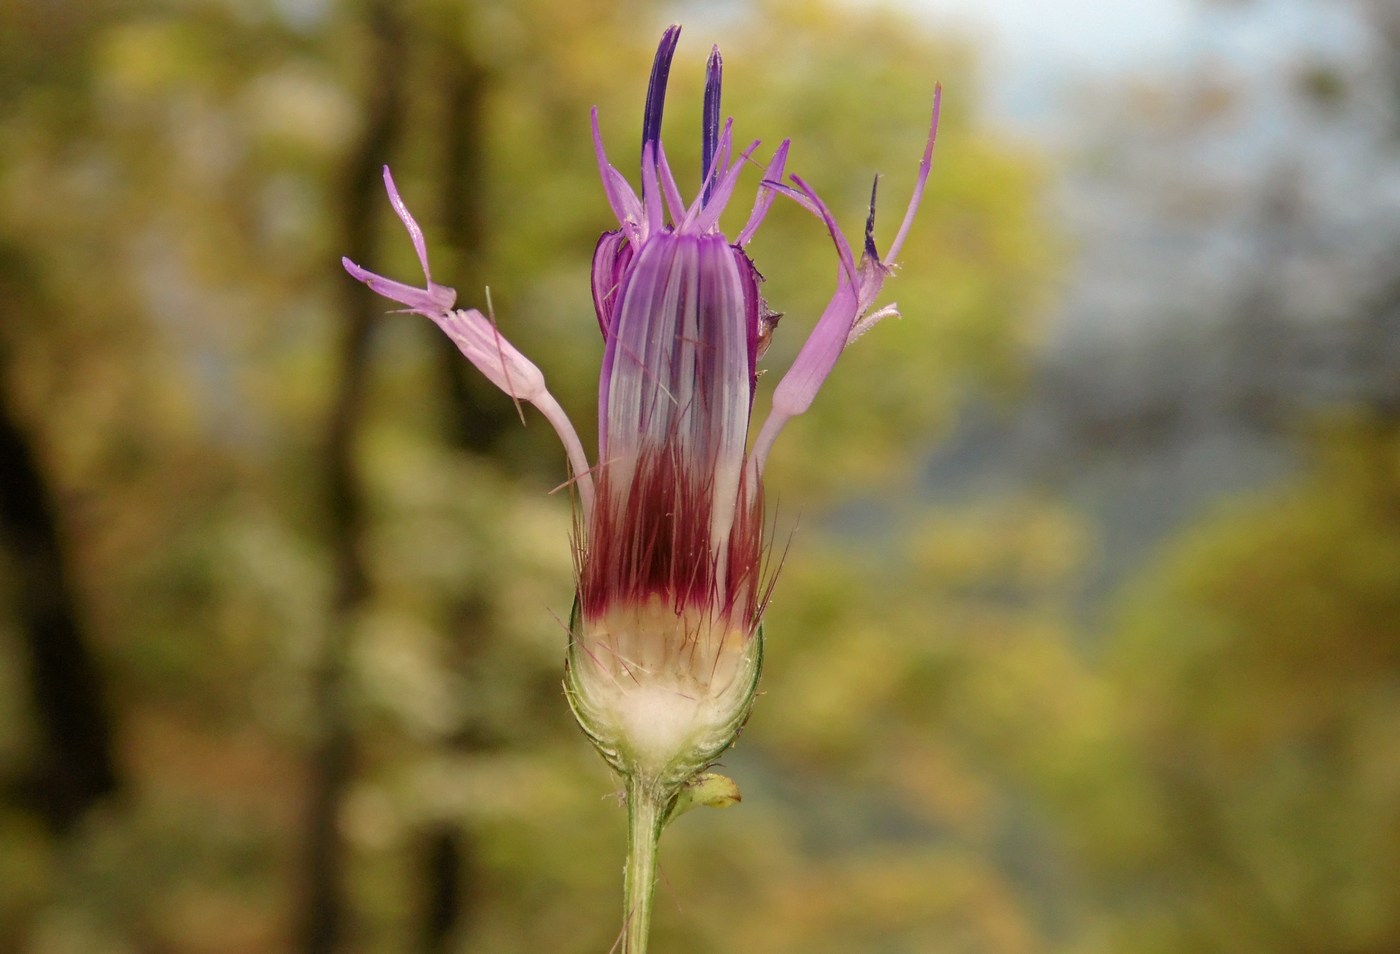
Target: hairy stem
(647, 807)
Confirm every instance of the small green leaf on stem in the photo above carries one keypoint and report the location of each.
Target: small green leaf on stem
(707, 788)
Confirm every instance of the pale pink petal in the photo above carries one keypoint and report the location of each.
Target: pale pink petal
(414, 232)
(925, 165)
(477, 337)
(430, 301)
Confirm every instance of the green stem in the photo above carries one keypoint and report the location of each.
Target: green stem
(646, 813)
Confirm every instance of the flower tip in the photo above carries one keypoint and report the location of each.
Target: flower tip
(656, 88)
(871, 253)
(666, 49)
(933, 122)
(709, 129)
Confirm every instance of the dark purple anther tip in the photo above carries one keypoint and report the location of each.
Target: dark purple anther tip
(870, 224)
(656, 89)
(709, 130)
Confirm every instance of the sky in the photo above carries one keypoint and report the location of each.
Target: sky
(1039, 52)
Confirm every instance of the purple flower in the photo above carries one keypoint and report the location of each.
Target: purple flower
(670, 546)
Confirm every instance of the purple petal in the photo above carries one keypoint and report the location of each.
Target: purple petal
(799, 386)
(709, 215)
(624, 202)
(678, 372)
(838, 238)
(610, 260)
(797, 389)
(674, 203)
(652, 211)
(709, 122)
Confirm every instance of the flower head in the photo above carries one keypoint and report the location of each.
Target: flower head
(669, 551)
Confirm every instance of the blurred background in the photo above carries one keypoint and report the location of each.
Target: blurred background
(1088, 636)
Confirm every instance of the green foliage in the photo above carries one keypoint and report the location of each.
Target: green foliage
(1259, 668)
